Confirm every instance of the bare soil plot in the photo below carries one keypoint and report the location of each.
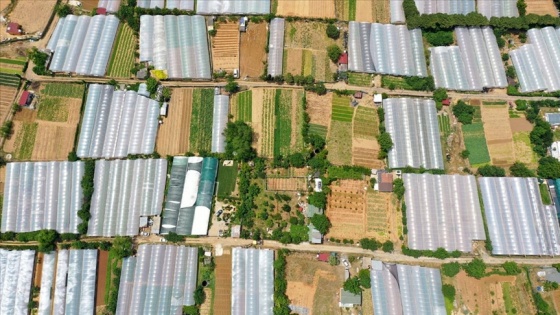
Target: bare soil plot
(38, 270)
(8, 94)
(40, 10)
(541, 7)
(286, 184)
(498, 134)
(365, 129)
(102, 270)
(89, 4)
(373, 11)
(520, 124)
(173, 134)
(225, 47)
(346, 209)
(252, 50)
(257, 115)
(365, 152)
(306, 8)
(294, 61)
(319, 108)
(223, 285)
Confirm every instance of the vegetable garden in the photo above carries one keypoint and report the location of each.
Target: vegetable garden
(243, 106)
(341, 109)
(283, 128)
(475, 141)
(122, 58)
(319, 130)
(52, 109)
(64, 90)
(12, 66)
(267, 143)
(25, 141)
(200, 138)
(9, 80)
(227, 176)
(359, 79)
(444, 126)
(366, 124)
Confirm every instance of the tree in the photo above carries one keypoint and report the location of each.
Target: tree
(213, 32)
(451, 269)
(166, 93)
(448, 291)
(541, 136)
(64, 10)
(465, 154)
(549, 167)
(199, 295)
(122, 246)
(511, 268)
(151, 85)
(296, 160)
(286, 208)
(318, 199)
(47, 240)
(370, 243)
(352, 285)
(239, 138)
(441, 38)
(334, 52)
(174, 237)
(190, 310)
(333, 260)
(385, 142)
(476, 268)
(7, 128)
(72, 156)
(491, 171)
(365, 280)
(321, 223)
(232, 86)
(372, 182)
(519, 169)
(463, 112)
(521, 7)
(398, 188)
(332, 31)
(440, 94)
(388, 247)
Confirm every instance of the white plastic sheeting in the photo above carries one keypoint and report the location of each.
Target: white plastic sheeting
(252, 286)
(83, 44)
(111, 6)
(16, 272)
(260, 7)
(42, 195)
(176, 44)
(445, 6)
(47, 281)
(59, 301)
(518, 222)
(442, 211)
(219, 122)
(413, 126)
(491, 8)
(386, 49)
(170, 4)
(276, 47)
(397, 12)
(117, 123)
(124, 190)
(160, 280)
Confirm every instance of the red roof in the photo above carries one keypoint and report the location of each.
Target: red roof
(343, 59)
(446, 102)
(23, 99)
(323, 257)
(13, 28)
(101, 11)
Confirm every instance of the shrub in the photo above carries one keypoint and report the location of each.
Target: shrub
(332, 31)
(519, 169)
(334, 52)
(491, 171)
(448, 291)
(451, 269)
(511, 268)
(441, 38)
(463, 112)
(476, 268)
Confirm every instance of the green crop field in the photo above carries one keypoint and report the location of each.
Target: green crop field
(307, 63)
(366, 125)
(64, 90)
(359, 79)
(339, 143)
(444, 126)
(122, 58)
(9, 80)
(388, 82)
(268, 120)
(245, 106)
(475, 142)
(200, 138)
(283, 127)
(52, 109)
(25, 141)
(495, 103)
(477, 116)
(9, 71)
(227, 176)
(318, 130)
(352, 10)
(341, 109)
(13, 61)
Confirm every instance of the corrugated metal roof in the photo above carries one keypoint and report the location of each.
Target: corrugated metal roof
(252, 287)
(260, 7)
(553, 118)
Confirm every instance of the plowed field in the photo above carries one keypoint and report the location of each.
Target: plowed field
(173, 135)
(225, 47)
(252, 53)
(498, 134)
(306, 8)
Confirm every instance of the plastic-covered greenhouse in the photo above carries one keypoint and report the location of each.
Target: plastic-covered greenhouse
(403, 289)
(537, 64)
(445, 6)
(117, 123)
(16, 272)
(276, 47)
(219, 122)
(83, 44)
(189, 195)
(386, 49)
(413, 126)
(151, 4)
(47, 281)
(518, 222)
(442, 211)
(125, 190)
(252, 285)
(397, 12)
(109, 5)
(42, 195)
(176, 44)
(161, 279)
(490, 8)
(258, 7)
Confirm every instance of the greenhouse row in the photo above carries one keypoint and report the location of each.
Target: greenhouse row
(403, 289)
(16, 272)
(442, 211)
(110, 5)
(502, 8)
(42, 195)
(83, 44)
(474, 64)
(518, 222)
(176, 44)
(47, 281)
(537, 64)
(124, 191)
(445, 6)
(386, 49)
(252, 285)
(159, 280)
(219, 122)
(397, 12)
(276, 47)
(189, 195)
(258, 7)
(169, 4)
(413, 126)
(117, 123)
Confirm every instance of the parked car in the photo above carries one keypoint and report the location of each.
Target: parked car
(346, 263)
(219, 212)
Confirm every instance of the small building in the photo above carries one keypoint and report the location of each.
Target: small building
(553, 119)
(358, 95)
(555, 150)
(312, 210)
(446, 102)
(101, 11)
(349, 299)
(14, 29)
(163, 109)
(236, 231)
(378, 98)
(343, 62)
(25, 98)
(210, 22)
(385, 181)
(549, 274)
(324, 257)
(142, 74)
(318, 185)
(156, 224)
(315, 237)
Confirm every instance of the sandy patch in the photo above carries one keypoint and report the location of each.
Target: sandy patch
(225, 47)
(319, 108)
(257, 114)
(520, 124)
(541, 7)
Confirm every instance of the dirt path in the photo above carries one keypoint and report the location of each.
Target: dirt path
(102, 270)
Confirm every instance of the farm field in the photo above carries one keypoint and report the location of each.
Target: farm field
(173, 134)
(444, 125)
(223, 284)
(363, 10)
(341, 109)
(227, 176)
(523, 149)
(391, 82)
(9, 80)
(103, 274)
(283, 125)
(306, 8)
(365, 130)
(498, 134)
(541, 7)
(319, 108)
(251, 49)
(122, 59)
(241, 106)
(200, 137)
(36, 22)
(286, 183)
(383, 219)
(225, 47)
(12, 66)
(8, 98)
(475, 142)
(359, 79)
(318, 130)
(339, 139)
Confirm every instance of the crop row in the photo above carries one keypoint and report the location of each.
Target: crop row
(245, 106)
(318, 130)
(200, 138)
(444, 126)
(283, 128)
(122, 59)
(64, 90)
(9, 80)
(475, 142)
(268, 120)
(365, 123)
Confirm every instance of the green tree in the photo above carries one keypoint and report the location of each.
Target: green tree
(191, 310)
(476, 268)
(64, 10)
(122, 246)
(463, 112)
(521, 7)
(441, 38)
(465, 154)
(448, 291)
(370, 243)
(388, 247)
(151, 85)
(511, 268)
(332, 31)
(47, 240)
(385, 142)
(491, 171)
(352, 285)
(72, 156)
(440, 94)
(199, 295)
(334, 52)
(519, 169)
(541, 136)
(365, 280)
(296, 160)
(549, 167)
(174, 237)
(321, 223)
(166, 93)
(398, 188)
(318, 199)
(239, 139)
(213, 32)
(231, 86)
(451, 269)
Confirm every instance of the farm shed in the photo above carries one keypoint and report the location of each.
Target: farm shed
(252, 286)
(42, 195)
(189, 196)
(276, 47)
(160, 279)
(403, 289)
(315, 237)
(219, 122)
(552, 118)
(385, 181)
(25, 98)
(518, 222)
(117, 123)
(13, 28)
(110, 6)
(442, 211)
(47, 281)
(16, 272)
(472, 65)
(445, 6)
(83, 44)
(386, 49)
(220, 7)
(124, 190)
(537, 64)
(413, 126)
(502, 8)
(176, 44)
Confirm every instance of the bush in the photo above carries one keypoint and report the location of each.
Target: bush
(549, 167)
(365, 280)
(465, 154)
(239, 139)
(476, 268)
(352, 285)
(541, 136)
(511, 268)
(398, 188)
(318, 199)
(519, 169)
(491, 171)
(370, 243)
(448, 291)
(441, 38)
(321, 223)
(332, 31)
(334, 52)
(463, 112)
(388, 247)
(451, 269)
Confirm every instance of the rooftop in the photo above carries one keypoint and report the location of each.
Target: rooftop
(348, 298)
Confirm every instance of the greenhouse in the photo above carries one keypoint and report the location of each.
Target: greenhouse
(42, 195)
(187, 5)
(276, 47)
(413, 126)
(160, 279)
(47, 281)
(474, 64)
(16, 272)
(493, 8)
(177, 45)
(442, 211)
(518, 222)
(111, 6)
(397, 12)
(124, 191)
(537, 64)
(219, 122)
(83, 44)
(220, 7)
(386, 49)
(252, 285)
(445, 6)
(189, 195)
(117, 123)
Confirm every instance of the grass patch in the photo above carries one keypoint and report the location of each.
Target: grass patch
(448, 305)
(109, 277)
(545, 196)
(13, 61)
(339, 143)
(64, 90)
(475, 141)
(359, 79)
(26, 140)
(122, 58)
(523, 148)
(508, 302)
(366, 125)
(388, 82)
(307, 63)
(245, 106)
(52, 109)
(444, 125)
(495, 103)
(227, 176)
(352, 10)
(283, 123)
(200, 138)
(513, 114)
(318, 130)
(341, 109)
(10, 71)
(9, 80)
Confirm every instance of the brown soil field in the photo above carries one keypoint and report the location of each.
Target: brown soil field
(373, 11)
(38, 270)
(306, 8)
(89, 4)
(37, 21)
(223, 285)
(541, 7)
(319, 108)
(225, 47)
(365, 152)
(498, 134)
(173, 134)
(383, 220)
(102, 261)
(346, 209)
(294, 60)
(520, 124)
(286, 184)
(8, 98)
(252, 53)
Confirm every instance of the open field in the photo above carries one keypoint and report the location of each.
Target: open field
(36, 22)
(286, 184)
(366, 123)
(8, 98)
(241, 106)
(252, 50)
(391, 82)
(173, 134)
(227, 176)
(523, 149)
(365, 148)
(306, 8)
(122, 58)
(102, 270)
(383, 219)
(520, 125)
(200, 137)
(225, 47)
(283, 123)
(63, 90)
(346, 209)
(341, 109)
(541, 7)
(339, 142)
(475, 142)
(318, 130)
(363, 10)
(319, 108)
(11, 66)
(498, 134)
(308, 62)
(223, 285)
(359, 79)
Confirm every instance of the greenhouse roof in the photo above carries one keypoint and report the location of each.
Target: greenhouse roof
(276, 47)
(16, 272)
(47, 281)
(252, 287)
(493, 8)
(111, 6)
(169, 4)
(445, 6)
(219, 122)
(259, 7)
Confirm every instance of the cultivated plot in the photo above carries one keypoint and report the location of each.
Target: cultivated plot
(225, 47)
(339, 139)
(475, 142)
(252, 50)
(200, 136)
(498, 135)
(122, 59)
(363, 10)
(306, 8)
(242, 106)
(36, 22)
(365, 130)
(173, 135)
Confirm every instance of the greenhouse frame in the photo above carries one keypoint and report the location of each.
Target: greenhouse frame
(161, 279)
(276, 47)
(177, 45)
(442, 211)
(252, 286)
(47, 281)
(125, 190)
(518, 222)
(413, 126)
(221, 7)
(219, 122)
(83, 44)
(189, 195)
(445, 6)
(42, 195)
(111, 6)
(16, 273)
(502, 8)
(117, 123)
